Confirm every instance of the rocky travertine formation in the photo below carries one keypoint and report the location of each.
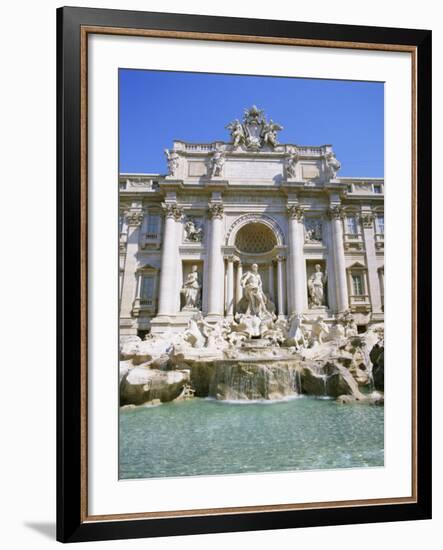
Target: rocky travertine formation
(226, 362)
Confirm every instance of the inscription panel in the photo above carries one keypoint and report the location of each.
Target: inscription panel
(196, 169)
(243, 169)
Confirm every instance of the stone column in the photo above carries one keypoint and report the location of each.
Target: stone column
(271, 281)
(216, 264)
(280, 286)
(336, 216)
(297, 267)
(230, 287)
(367, 220)
(138, 291)
(168, 274)
(134, 219)
(238, 287)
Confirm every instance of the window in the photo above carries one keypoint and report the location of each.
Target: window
(147, 290)
(351, 225)
(380, 224)
(349, 188)
(377, 189)
(357, 284)
(153, 226)
(121, 222)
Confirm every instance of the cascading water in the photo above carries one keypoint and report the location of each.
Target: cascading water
(255, 380)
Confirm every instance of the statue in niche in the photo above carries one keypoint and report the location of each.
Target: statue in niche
(217, 163)
(313, 231)
(333, 165)
(193, 231)
(191, 290)
(253, 292)
(173, 161)
(316, 285)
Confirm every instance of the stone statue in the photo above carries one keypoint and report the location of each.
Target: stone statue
(349, 324)
(297, 336)
(333, 165)
(269, 133)
(255, 131)
(291, 164)
(252, 284)
(193, 231)
(173, 161)
(217, 162)
(237, 133)
(191, 290)
(319, 329)
(316, 284)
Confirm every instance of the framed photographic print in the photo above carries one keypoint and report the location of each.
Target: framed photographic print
(243, 242)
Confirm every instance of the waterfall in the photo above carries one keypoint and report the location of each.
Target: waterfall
(255, 380)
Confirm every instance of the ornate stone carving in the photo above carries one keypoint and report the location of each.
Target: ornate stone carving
(295, 212)
(313, 231)
(217, 163)
(191, 290)
(332, 165)
(216, 210)
(172, 210)
(173, 160)
(291, 164)
(134, 217)
(336, 212)
(193, 231)
(255, 132)
(367, 219)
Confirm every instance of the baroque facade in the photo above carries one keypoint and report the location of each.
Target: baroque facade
(189, 238)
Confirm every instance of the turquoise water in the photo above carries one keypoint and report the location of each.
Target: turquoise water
(207, 437)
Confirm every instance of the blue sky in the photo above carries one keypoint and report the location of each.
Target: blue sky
(157, 107)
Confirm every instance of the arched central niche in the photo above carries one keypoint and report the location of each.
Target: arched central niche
(255, 234)
(255, 238)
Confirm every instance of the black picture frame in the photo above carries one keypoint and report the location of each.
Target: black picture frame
(72, 524)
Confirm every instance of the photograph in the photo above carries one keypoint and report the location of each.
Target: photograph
(251, 299)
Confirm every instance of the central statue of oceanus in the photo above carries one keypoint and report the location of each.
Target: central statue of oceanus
(253, 292)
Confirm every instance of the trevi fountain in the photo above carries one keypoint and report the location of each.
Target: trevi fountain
(251, 310)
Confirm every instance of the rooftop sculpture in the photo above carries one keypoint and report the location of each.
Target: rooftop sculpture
(255, 131)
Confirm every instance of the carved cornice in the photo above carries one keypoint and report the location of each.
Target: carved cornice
(295, 212)
(367, 219)
(216, 210)
(172, 210)
(336, 213)
(134, 217)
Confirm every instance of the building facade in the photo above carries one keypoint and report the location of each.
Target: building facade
(188, 237)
